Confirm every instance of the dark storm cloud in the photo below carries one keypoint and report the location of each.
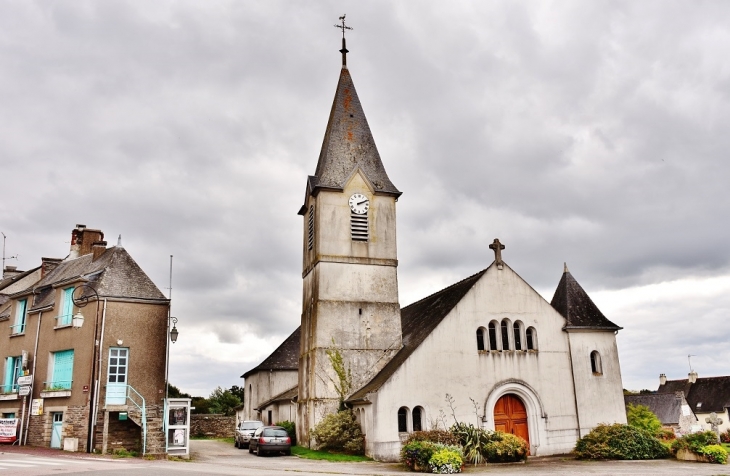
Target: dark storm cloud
(586, 132)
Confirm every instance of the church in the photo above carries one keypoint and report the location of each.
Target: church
(487, 350)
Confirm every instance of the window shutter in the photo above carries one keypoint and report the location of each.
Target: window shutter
(68, 306)
(63, 365)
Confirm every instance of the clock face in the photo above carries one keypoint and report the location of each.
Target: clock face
(359, 204)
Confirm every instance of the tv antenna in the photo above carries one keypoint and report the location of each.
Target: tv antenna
(4, 258)
(689, 359)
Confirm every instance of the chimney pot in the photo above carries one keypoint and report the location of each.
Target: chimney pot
(662, 379)
(692, 377)
(98, 248)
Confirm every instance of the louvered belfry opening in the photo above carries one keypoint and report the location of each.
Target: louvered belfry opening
(359, 227)
(310, 239)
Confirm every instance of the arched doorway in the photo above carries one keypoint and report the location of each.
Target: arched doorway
(510, 416)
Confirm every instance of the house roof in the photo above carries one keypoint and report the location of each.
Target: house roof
(114, 274)
(666, 406)
(14, 284)
(348, 145)
(574, 304)
(712, 392)
(286, 396)
(285, 357)
(418, 321)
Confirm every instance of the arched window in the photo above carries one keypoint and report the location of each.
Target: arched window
(492, 336)
(480, 339)
(402, 420)
(505, 335)
(531, 339)
(596, 363)
(417, 416)
(518, 335)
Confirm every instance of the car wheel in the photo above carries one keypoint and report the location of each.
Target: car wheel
(235, 444)
(250, 450)
(288, 452)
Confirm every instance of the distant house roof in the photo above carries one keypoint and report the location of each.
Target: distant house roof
(285, 396)
(348, 145)
(285, 357)
(712, 392)
(418, 321)
(574, 304)
(114, 274)
(14, 284)
(666, 406)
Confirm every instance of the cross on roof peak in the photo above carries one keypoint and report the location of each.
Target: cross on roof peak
(344, 51)
(497, 247)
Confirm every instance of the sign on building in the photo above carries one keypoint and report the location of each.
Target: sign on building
(8, 430)
(36, 407)
(24, 390)
(25, 380)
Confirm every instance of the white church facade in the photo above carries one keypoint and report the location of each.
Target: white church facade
(488, 350)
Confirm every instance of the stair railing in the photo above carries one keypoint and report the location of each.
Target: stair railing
(143, 409)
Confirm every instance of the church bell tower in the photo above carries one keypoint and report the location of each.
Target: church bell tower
(350, 309)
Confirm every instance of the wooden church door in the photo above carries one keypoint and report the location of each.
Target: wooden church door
(510, 416)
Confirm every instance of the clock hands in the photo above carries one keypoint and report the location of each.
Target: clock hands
(364, 201)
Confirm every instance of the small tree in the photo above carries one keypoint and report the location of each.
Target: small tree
(340, 432)
(639, 416)
(223, 401)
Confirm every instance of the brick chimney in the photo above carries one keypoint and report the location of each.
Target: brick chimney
(48, 265)
(10, 271)
(82, 241)
(692, 377)
(662, 379)
(98, 248)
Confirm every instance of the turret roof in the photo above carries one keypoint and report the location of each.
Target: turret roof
(574, 304)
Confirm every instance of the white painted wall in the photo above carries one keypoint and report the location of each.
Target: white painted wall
(263, 385)
(448, 362)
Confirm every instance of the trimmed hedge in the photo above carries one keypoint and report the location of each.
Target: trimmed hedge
(619, 442)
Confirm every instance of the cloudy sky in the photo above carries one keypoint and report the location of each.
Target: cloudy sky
(592, 133)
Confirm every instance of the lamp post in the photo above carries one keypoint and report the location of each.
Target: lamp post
(77, 322)
(172, 335)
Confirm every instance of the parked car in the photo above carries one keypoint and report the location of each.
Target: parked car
(245, 431)
(270, 439)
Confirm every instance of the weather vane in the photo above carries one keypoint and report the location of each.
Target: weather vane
(343, 27)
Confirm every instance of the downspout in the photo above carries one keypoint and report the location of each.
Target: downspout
(95, 397)
(35, 360)
(575, 393)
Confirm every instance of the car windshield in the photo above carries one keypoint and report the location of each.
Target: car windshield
(274, 432)
(251, 425)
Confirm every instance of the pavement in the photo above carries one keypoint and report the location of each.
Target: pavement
(211, 457)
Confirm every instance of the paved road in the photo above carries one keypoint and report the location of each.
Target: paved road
(217, 458)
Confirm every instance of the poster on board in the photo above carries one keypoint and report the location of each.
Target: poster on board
(8, 430)
(36, 407)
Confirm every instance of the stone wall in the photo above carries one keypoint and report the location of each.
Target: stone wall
(217, 426)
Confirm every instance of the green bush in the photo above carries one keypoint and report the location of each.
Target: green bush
(447, 460)
(639, 416)
(340, 432)
(291, 430)
(694, 442)
(416, 454)
(725, 437)
(619, 442)
(506, 448)
(716, 454)
(436, 436)
(473, 441)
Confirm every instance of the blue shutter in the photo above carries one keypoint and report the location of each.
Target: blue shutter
(9, 367)
(68, 306)
(20, 319)
(63, 367)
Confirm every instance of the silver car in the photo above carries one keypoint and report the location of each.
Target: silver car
(270, 439)
(245, 431)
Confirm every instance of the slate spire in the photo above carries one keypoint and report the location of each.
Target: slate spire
(574, 304)
(348, 144)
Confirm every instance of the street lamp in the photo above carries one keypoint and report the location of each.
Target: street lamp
(174, 332)
(77, 322)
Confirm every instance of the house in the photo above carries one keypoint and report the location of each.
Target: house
(89, 332)
(271, 385)
(705, 395)
(672, 410)
(487, 350)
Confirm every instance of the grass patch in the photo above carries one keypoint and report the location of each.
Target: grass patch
(726, 446)
(306, 453)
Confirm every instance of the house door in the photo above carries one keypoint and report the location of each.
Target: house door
(57, 418)
(510, 416)
(116, 384)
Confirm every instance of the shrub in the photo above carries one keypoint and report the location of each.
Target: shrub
(665, 435)
(506, 448)
(473, 440)
(446, 460)
(694, 442)
(639, 416)
(716, 454)
(340, 432)
(416, 454)
(436, 436)
(291, 430)
(619, 442)
(725, 437)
